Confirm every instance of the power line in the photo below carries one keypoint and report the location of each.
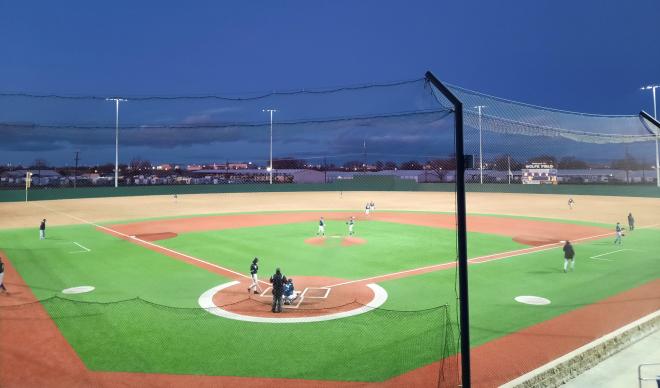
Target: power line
(212, 96)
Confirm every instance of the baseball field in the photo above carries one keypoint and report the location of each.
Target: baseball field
(152, 290)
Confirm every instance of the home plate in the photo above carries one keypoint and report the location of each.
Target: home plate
(535, 300)
(78, 290)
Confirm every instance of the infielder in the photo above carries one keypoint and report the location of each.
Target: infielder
(569, 255)
(619, 233)
(571, 203)
(321, 230)
(367, 208)
(254, 268)
(351, 224)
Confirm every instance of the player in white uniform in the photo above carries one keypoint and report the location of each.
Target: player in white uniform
(571, 203)
(367, 208)
(321, 230)
(351, 224)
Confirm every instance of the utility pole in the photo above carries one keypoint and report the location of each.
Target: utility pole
(116, 100)
(75, 170)
(364, 151)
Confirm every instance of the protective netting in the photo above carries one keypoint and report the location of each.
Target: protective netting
(139, 336)
(394, 129)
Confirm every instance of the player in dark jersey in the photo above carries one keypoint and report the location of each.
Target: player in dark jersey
(569, 255)
(631, 222)
(254, 268)
(2, 277)
(42, 230)
(277, 280)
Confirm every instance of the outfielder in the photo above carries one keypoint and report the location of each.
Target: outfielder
(351, 224)
(254, 268)
(321, 230)
(42, 230)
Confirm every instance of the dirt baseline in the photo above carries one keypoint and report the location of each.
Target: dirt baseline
(314, 299)
(525, 231)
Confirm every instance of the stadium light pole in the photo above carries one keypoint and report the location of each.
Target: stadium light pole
(481, 157)
(116, 100)
(270, 168)
(655, 116)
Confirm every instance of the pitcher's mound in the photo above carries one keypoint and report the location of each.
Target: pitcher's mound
(347, 241)
(315, 241)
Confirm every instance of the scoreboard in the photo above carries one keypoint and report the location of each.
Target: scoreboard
(539, 174)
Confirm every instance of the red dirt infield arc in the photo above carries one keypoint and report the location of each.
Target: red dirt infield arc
(345, 241)
(530, 232)
(36, 354)
(317, 301)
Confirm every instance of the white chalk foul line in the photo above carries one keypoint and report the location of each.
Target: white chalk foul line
(608, 253)
(476, 260)
(148, 243)
(84, 248)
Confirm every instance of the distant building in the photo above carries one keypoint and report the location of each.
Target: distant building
(164, 167)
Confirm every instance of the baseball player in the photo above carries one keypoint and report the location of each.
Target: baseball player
(351, 224)
(619, 233)
(321, 230)
(254, 268)
(290, 294)
(631, 222)
(2, 277)
(571, 203)
(569, 255)
(367, 208)
(42, 230)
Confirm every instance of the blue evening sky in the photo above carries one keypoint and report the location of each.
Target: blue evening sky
(589, 56)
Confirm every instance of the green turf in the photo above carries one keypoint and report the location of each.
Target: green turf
(389, 248)
(145, 337)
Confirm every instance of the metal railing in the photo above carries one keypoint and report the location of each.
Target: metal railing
(641, 379)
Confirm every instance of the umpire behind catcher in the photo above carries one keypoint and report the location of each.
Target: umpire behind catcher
(277, 281)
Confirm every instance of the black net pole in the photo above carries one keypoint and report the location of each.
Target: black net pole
(461, 229)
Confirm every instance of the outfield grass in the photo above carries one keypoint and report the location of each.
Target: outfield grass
(143, 337)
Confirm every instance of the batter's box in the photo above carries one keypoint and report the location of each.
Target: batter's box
(316, 292)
